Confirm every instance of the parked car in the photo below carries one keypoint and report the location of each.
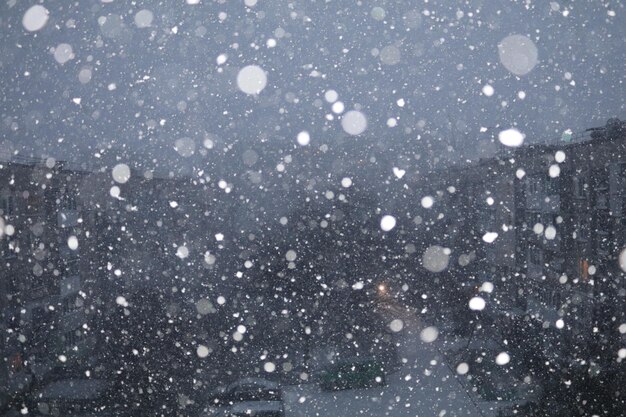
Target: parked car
(353, 374)
(255, 397)
(500, 391)
(74, 397)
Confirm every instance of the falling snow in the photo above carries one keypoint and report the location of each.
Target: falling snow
(323, 208)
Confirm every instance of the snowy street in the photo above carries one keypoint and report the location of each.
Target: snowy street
(424, 386)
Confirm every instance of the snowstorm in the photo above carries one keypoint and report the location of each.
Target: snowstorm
(219, 208)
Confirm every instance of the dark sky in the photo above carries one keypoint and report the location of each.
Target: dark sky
(137, 90)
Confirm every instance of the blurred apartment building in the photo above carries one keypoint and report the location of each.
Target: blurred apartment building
(45, 276)
(72, 241)
(545, 225)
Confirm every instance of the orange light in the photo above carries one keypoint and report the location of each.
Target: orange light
(382, 288)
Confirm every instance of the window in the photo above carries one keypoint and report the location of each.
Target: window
(535, 256)
(71, 339)
(8, 205)
(536, 185)
(72, 267)
(617, 175)
(580, 187)
(69, 202)
(582, 230)
(583, 269)
(553, 186)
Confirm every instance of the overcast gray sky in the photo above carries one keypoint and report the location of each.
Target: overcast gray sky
(426, 75)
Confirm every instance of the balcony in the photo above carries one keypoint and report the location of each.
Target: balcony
(552, 203)
(71, 320)
(543, 203)
(542, 310)
(602, 202)
(553, 245)
(69, 285)
(556, 264)
(67, 218)
(42, 366)
(534, 271)
(39, 292)
(18, 381)
(615, 204)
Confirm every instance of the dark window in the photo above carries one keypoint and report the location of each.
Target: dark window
(8, 205)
